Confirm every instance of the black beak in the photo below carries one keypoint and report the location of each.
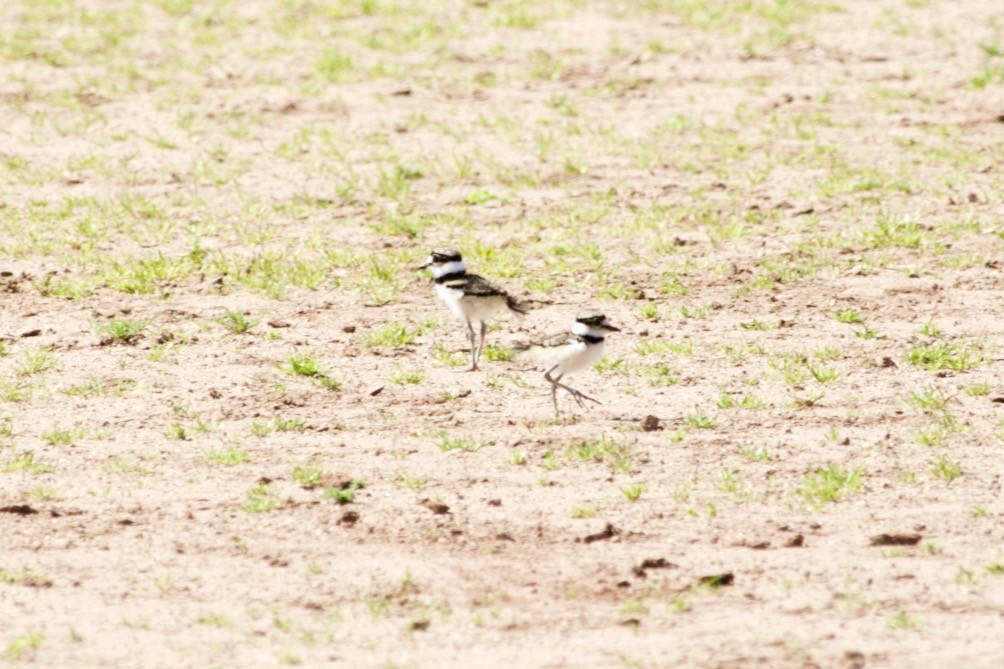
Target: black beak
(607, 326)
(421, 267)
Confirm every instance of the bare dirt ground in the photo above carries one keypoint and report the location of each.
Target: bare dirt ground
(232, 432)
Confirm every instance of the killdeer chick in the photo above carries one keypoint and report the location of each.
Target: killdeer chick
(569, 353)
(471, 298)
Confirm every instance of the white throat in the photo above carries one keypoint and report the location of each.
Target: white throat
(583, 330)
(455, 267)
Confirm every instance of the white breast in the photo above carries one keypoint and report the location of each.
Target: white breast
(468, 308)
(577, 356)
(451, 297)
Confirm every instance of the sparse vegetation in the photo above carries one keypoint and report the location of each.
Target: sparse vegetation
(978, 390)
(310, 475)
(830, 484)
(260, 499)
(304, 362)
(22, 646)
(848, 315)
(24, 461)
(633, 491)
(407, 376)
(391, 335)
(615, 454)
(748, 401)
(212, 325)
(237, 322)
(227, 456)
(345, 494)
(701, 420)
(35, 362)
(122, 332)
(62, 436)
(946, 469)
(458, 442)
(955, 356)
(261, 428)
(755, 454)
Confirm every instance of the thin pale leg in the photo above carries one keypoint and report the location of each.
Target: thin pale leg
(471, 341)
(580, 398)
(554, 389)
(481, 345)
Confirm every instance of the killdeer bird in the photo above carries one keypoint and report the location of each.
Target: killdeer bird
(471, 298)
(568, 353)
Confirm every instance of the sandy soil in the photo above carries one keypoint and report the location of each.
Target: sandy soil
(800, 212)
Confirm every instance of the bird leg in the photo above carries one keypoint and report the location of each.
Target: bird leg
(481, 346)
(580, 398)
(470, 340)
(554, 389)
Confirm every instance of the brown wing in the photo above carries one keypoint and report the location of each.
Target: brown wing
(472, 284)
(554, 341)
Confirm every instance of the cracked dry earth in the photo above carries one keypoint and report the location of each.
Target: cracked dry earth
(792, 210)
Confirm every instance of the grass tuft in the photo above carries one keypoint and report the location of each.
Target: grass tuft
(391, 335)
(304, 362)
(830, 484)
(123, 332)
(617, 455)
(260, 499)
(959, 357)
(237, 322)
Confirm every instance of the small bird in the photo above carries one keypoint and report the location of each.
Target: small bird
(471, 298)
(568, 353)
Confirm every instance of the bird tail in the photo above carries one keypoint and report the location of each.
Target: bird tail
(527, 352)
(516, 306)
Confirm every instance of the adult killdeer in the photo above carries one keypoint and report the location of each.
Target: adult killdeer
(568, 353)
(471, 298)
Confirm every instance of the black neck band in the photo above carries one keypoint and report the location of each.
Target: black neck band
(449, 277)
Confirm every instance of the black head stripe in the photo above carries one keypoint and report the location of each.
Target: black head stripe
(591, 318)
(446, 255)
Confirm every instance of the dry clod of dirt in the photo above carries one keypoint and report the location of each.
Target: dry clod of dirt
(717, 580)
(19, 509)
(652, 563)
(902, 539)
(437, 508)
(608, 532)
(341, 481)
